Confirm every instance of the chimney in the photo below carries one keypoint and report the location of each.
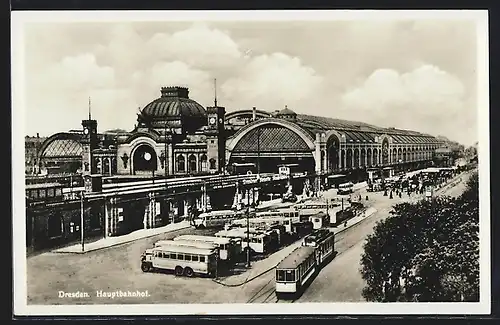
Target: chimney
(254, 111)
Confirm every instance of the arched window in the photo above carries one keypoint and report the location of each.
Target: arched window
(203, 163)
(181, 163)
(192, 163)
(212, 163)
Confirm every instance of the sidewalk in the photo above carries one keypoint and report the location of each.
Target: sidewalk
(118, 240)
(263, 266)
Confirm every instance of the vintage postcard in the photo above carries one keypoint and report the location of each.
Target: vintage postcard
(274, 162)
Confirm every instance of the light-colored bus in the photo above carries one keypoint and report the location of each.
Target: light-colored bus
(346, 188)
(202, 245)
(309, 209)
(259, 242)
(229, 249)
(214, 218)
(183, 260)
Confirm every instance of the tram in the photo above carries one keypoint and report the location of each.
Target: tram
(295, 272)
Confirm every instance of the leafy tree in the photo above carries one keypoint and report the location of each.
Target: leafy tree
(425, 251)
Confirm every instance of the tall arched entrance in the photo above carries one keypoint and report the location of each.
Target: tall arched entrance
(333, 150)
(385, 151)
(144, 160)
(270, 144)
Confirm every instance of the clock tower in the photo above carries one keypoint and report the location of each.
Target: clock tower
(216, 140)
(90, 141)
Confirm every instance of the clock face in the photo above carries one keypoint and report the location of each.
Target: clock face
(212, 120)
(147, 156)
(86, 131)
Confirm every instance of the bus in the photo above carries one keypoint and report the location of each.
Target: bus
(182, 260)
(335, 180)
(295, 272)
(320, 220)
(259, 242)
(202, 245)
(287, 169)
(243, 168)
(285, 217)
(229, 249)
(345, 188)
(309, 209)
(214, 219)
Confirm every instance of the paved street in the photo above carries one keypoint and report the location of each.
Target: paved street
(118, 268)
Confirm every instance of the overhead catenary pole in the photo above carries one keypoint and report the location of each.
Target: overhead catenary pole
(248, 237)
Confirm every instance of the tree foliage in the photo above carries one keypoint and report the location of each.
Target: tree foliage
(426, 251)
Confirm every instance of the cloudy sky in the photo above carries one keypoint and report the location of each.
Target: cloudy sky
(416, 75)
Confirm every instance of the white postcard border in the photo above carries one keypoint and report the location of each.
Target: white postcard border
(18, 132)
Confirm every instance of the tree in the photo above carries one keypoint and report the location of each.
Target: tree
(425, 251)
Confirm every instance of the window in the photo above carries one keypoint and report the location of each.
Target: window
(194, 258)
(188, 258)
(173, 256)
(42, 194)
(202, 259)
(204, 163)
(212, 163)
(58, 192)
(50, 192)
(280, 275)
(180, 257)
(289, 275)
(181, 163)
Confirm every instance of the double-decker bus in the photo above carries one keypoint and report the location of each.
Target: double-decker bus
(214, 219)
(229, 249)
(182, 260)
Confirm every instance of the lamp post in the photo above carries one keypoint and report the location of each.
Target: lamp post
(82, 225)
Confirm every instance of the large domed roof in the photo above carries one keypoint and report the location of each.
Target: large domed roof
(174, 102)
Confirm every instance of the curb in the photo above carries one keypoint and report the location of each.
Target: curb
(118, 244)
(271, 268)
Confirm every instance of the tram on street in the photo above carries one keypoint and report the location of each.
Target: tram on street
(214, 219)
(182, 260)
(320, 220)
(229, 248)
(295, 272)
(323, 241)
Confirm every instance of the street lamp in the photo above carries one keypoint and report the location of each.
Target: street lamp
(82, 225)
(248, 237)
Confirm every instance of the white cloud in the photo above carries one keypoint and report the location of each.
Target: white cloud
(427, 99)
(271, 81)
(76, 73)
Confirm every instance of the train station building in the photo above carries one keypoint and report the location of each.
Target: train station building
(175, 135)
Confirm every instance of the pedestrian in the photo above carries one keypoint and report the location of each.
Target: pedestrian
(345, 223)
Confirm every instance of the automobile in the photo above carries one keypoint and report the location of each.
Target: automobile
(289, 197)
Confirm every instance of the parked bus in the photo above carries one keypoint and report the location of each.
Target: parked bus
(229, 249)
(285, 217)
(202, 245)
(320, 220)
(335, 180)
(346, 188)
(214, 219)
(259, 242)
(242, 168)
(309, 209)
(288, 169)
(182, 260)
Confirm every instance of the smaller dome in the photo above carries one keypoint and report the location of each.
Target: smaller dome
(286, 113)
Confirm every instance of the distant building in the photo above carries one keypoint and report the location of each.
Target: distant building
(32, 147)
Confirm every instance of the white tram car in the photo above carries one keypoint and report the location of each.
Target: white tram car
(295, 271)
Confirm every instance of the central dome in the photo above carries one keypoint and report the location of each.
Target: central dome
(174, 103)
